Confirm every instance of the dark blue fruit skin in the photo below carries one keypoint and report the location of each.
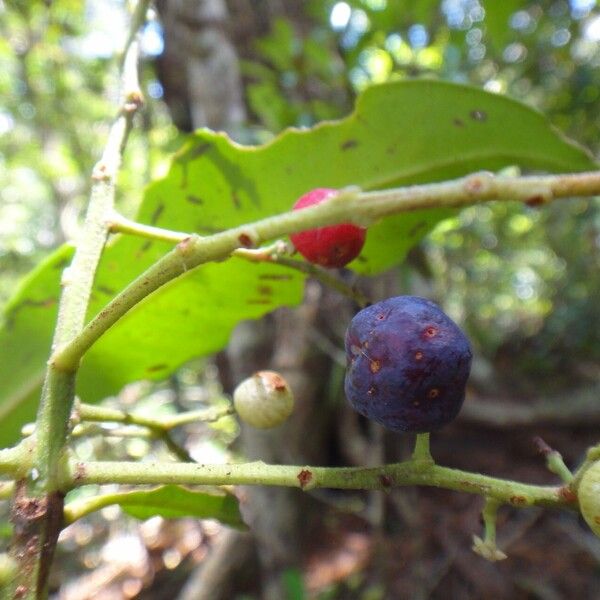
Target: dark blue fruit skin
(407, 364)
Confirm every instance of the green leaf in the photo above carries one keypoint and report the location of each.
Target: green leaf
(25, 337)
(168, 501)
(400, 133)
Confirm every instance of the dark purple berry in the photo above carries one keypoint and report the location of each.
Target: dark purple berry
(407, 364)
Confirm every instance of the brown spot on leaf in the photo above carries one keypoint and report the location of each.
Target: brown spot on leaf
(274, 277)
(12, 314)
(458, 122)
(154, 368)
(198, 151)
(106, 290)
(194, 199)
(45, 303)
(156, 214)
(265, 290)
(258, 301)
(348, 144)
(304, 477)
(62, 264)
(236, 200)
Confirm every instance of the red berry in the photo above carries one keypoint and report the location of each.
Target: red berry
(332, 246)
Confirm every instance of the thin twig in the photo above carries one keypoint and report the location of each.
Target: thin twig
(158, 427)
(58, 392)
(274, 253)
(325, 277)
(119, 224)
(412, 472)
(176, 449)
(554, 460)
(91, 412)
(348, 204)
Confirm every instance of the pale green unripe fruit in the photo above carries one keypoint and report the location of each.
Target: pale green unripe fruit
(589, 497)
(263, 400)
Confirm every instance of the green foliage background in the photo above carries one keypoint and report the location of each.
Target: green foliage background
(522, 281)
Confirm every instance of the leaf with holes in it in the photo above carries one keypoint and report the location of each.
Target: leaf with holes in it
(400, 133)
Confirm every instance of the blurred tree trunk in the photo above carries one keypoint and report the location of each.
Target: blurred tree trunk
(200, 73)
(204, 40)
(199, 67)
